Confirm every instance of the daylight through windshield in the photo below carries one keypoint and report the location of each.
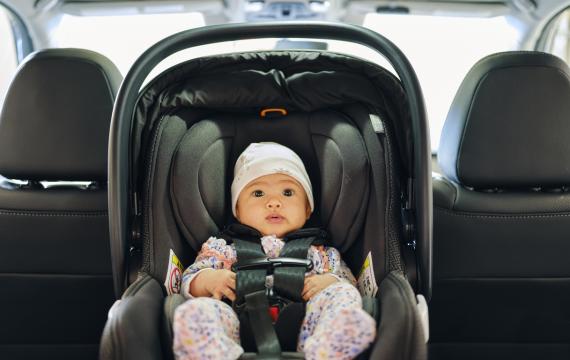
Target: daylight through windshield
(440, 57)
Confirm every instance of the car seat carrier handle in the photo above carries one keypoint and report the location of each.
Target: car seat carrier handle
(122, 171)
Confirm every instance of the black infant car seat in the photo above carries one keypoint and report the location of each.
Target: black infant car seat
(350, 121)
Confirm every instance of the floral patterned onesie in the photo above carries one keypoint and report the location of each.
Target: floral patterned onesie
(334, 327)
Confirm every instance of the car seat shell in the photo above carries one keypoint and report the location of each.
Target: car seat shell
(171, 126)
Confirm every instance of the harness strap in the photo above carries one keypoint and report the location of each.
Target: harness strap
(288, 279)
(266, 340)
(249, 281)
(250, 292)
(288, 282)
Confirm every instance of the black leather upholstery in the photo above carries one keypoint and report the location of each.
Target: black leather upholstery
(51, 119)
(519, 104)
(501, 270)
(55, 270)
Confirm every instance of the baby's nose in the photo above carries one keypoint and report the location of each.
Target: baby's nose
(273, 203)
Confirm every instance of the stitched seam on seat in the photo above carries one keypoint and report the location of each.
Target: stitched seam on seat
(389, 220)
(49, 345)
(334, 206)
(147, 238)
(51, 214)
(495, 279)
(198, 172)
(36, 274)
(501, 344)
(500, 216)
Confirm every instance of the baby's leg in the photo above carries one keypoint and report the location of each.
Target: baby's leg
(335, 326)
(205, 328)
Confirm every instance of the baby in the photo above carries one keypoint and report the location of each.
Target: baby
(271, 192)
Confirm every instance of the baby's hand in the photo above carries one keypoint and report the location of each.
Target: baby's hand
(316, 283)
(217, 284)
(222, 283)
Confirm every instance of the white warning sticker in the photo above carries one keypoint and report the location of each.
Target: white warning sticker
(173, 275)
(366, 282)
(377, 124)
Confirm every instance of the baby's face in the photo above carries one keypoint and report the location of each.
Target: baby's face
(273, 204)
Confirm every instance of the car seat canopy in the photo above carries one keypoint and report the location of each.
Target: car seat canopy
(296, 81)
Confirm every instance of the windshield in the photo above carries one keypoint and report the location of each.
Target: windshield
(442, 57)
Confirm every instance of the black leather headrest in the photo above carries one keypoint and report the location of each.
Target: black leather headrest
(55, 121)
(329, 144)
(508, 125)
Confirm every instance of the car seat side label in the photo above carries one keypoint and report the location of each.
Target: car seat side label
(377, 124)
(173, 274)
(366, 282)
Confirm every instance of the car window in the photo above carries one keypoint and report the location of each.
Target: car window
(440, 57)
(556, 36)
(122, 37)
(8, 55)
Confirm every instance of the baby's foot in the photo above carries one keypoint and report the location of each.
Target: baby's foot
(204, 330)
(349, 334)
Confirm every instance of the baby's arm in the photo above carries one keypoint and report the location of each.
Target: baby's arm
(328, 269)
(327, 260)
(337, 266)
(210, 273)
(315, 283)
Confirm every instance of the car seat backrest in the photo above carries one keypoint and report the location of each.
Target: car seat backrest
(51, 125)
(191, 192)
(55, 269)
(332, 150)
(502, 212)
(519, 105)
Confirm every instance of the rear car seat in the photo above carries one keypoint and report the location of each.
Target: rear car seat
(502, 214)
(55, 270)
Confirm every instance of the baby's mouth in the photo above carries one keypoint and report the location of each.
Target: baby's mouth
(274, 219)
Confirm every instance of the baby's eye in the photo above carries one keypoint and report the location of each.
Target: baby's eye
(257, 193)
(288, 192)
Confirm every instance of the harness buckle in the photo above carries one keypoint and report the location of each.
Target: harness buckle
(274, 313)
(271, 263)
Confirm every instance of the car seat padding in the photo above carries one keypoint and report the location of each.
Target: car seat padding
(332, 149)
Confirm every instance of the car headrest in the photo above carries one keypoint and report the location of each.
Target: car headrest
(331, 148)
(508, 125)
(55, 121)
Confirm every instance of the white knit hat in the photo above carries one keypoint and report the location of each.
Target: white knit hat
(265, 158)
